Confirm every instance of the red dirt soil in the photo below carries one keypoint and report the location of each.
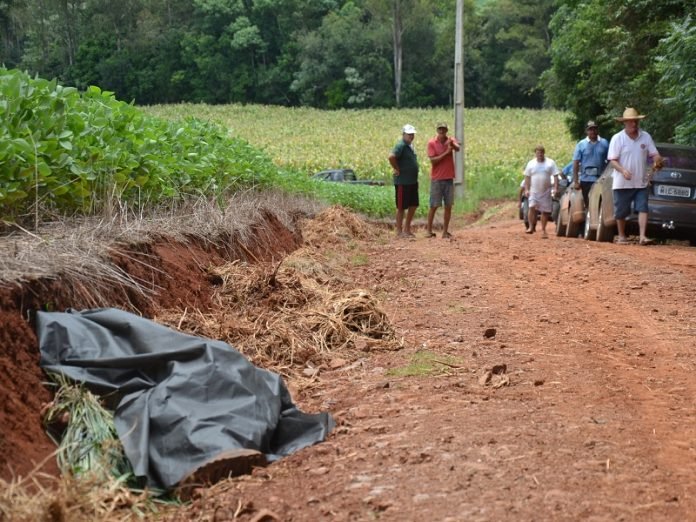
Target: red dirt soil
(593, 417)
(173, 273)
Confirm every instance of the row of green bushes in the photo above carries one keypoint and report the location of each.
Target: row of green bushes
(67, 152)
(76, 152)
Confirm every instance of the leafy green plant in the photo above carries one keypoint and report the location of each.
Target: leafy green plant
(70, 152)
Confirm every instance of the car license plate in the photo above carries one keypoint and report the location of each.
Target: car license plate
(671, 190)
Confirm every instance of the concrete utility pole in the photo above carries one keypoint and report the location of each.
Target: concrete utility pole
(459, 180)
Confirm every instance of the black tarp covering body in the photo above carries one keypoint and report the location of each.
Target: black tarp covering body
(180, 399)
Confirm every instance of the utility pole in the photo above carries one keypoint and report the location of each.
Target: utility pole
(459, 180)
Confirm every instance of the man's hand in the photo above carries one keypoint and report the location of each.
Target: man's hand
(658, 164)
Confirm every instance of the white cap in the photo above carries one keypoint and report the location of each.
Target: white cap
(408, 129)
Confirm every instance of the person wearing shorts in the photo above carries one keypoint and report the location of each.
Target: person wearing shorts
(629, 151)
(540, 177)
(404, 162)
(440, 151)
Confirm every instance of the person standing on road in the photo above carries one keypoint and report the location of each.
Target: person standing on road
(629, 151)
(589, 160)
(440, 152)
(404, 161)
(540, 176)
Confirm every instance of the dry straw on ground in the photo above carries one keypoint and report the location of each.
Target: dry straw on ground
(284, 320)
(79, 252)
(334, 225)
(300, 312)
(40, 497)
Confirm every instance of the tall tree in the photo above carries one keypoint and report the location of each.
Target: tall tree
(677, 69)
(13, 15)
(514, 47)
(401, 16)
(604, 57)
(342, 63)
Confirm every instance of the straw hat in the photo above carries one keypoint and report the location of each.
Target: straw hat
(631, 114)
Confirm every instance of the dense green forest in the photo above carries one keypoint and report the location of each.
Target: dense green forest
(590, 57)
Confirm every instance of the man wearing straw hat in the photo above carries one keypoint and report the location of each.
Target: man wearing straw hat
(629, 151)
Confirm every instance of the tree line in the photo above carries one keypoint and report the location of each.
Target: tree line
(590, 57)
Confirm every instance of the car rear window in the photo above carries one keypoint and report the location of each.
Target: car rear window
(679, 158)
(349, 175)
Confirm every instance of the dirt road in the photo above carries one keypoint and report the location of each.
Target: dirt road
(588, 413)
(593, 419)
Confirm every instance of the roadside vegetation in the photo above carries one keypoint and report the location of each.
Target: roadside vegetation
(590, 59)
(66, 152)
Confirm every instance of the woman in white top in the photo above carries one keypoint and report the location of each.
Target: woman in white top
(540, 176)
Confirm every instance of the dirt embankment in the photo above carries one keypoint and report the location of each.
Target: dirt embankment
(171, 274)
(538, 380)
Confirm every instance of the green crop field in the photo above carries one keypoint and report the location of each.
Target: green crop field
(497, 142)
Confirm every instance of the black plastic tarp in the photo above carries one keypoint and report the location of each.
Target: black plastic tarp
(180, 400)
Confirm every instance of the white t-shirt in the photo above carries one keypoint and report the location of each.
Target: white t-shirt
(541, 175)
(633, 156)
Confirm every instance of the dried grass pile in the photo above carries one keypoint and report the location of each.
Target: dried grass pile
(41, 497)
(335, 224)
(290, 315)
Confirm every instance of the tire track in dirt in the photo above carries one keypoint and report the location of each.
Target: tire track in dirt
(632, 355)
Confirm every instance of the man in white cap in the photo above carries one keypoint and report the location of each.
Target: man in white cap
(404, 161)
(629, 151)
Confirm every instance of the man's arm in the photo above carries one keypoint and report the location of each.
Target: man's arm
(394, 163)
(435, 159)
(619, 168)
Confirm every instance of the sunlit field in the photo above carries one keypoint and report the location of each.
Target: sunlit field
(497, 142)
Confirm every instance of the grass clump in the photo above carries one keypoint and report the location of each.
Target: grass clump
(89, 444)
(424, 363)
(97, 482)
